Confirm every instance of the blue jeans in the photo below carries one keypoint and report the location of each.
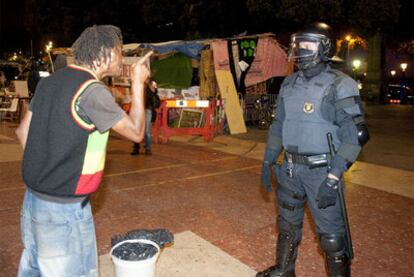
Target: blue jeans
(59, 239)
(147, 136)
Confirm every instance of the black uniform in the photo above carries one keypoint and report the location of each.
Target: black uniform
(313, 102)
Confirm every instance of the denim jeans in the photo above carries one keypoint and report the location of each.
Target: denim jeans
(147, 136)
(59, 239)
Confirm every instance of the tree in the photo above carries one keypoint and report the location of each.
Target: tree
(160, 17)
(307, 11)
(407, 47)
(374, 15)
(371, 17)
(262, 14)
(376, 19)
(213, 18)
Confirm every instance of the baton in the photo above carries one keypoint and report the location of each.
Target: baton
(342, 203)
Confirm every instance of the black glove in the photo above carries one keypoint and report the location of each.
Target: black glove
(327, 193)
(267, 176)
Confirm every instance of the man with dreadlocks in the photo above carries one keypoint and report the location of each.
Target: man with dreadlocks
(64, 136)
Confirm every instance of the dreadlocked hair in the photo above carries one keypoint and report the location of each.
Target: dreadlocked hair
(95, 43)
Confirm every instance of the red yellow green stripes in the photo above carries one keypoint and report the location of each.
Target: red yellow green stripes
(93, 163)
(74, 108)
(95, 153)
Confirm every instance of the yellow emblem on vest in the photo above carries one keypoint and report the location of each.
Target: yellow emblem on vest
(308, 107)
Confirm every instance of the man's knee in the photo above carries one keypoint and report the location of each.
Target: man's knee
(332, 244)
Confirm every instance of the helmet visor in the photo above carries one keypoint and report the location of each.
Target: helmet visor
(303, 48)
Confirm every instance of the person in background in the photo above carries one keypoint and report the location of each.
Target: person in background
(34, 77)
(152, 102)
(3, 80)
(64, 136)
(60, 62)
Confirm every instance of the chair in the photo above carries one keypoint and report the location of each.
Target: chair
(12, 112)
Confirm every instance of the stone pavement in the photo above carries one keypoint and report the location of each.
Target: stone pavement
(209, 196)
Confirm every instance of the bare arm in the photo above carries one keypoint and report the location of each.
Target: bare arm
(132, 126)
(23, 129)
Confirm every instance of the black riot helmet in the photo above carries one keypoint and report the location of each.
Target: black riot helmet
(312, 45)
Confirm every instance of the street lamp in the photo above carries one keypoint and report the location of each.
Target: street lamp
(49, 47)
(348, 39)
(403, 68)
(393, 72)
(356, 64)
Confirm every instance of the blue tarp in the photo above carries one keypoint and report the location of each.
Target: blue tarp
(189, 48)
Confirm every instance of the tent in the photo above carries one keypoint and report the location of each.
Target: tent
(224, 67)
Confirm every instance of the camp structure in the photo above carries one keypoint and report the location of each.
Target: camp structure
(227, 69)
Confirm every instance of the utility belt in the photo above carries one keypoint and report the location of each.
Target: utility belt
(313, 161)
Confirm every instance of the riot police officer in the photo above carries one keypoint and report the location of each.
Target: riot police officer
(313, 102)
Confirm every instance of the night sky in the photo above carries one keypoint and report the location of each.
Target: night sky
(14, 36)
(12, 33)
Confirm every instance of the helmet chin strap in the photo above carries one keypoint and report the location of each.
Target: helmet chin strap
(312, 69)
(304, 65)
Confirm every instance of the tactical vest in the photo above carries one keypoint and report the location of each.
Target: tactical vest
(304, 128)
(64, 154)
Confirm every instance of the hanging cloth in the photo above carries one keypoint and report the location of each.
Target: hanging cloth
(208, 83)
(270, 61)
(221, 55)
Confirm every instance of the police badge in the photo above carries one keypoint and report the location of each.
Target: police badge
(308, 107)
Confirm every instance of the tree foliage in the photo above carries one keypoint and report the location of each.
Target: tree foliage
(407, 47)
(372, 16)
(158, 20)
(264, 13)
(306, 11)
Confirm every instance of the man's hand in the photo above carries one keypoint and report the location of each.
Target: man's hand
(267, 176)
(140, 69)
(132, 126)
(327, 193)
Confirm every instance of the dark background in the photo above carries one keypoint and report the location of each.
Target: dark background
(30, 24)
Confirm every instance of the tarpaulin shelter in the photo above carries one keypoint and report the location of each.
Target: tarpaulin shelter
(223, 68)
(226, 67)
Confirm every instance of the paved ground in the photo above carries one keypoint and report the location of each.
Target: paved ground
(392, 136)
(212, 191)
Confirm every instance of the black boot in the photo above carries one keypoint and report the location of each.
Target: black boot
(135, 149)
(287, 251)
(337, 262)
(338, 266)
